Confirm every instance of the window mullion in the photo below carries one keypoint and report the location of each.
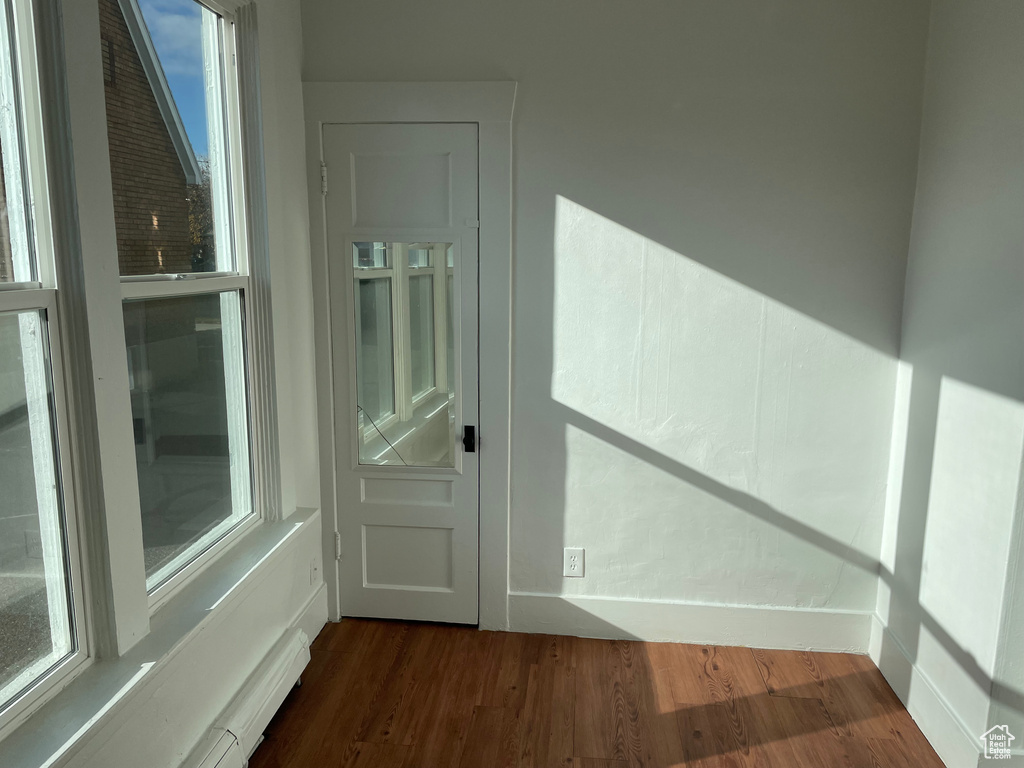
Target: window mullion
(439, 265)
(93, 329)
(401, 326)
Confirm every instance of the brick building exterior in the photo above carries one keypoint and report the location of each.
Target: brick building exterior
(151, 207)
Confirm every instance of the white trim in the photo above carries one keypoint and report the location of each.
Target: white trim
(251, 205)
(38, 692)
(12, 130)
(118, 554)
(58, 232)
(219, 152)
(176, 276)
(495, 343)
(252, 708)
(201, 558)
(312, 617)
(45, 469)
(77, 724)
(34, 103)
(63, 572)
(702, 623)
(159, 289)
(935, 716)
(30, 298)
(479, 102)
(490, 105)
(25, 132)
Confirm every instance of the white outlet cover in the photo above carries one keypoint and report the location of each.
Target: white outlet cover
(573, 562)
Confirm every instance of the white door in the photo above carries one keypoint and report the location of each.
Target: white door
(402, 226)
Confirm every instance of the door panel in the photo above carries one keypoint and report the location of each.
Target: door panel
(402, 245)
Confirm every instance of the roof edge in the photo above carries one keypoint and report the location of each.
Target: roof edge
(136, 23)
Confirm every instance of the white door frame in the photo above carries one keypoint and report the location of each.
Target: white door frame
(490, 106)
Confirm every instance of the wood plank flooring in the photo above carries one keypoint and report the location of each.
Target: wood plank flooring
(383, 694)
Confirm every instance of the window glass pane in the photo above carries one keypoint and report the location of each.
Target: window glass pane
(187, 376)
(405, 409)
(421, 332)
(165, 101)
(374, 351)
(419, 257)
(36, 627)
(15, 253)
(370, 256)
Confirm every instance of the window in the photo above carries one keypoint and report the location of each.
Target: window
(177, 391)
(404, 352)
(173, 132)
(41, 626)
(186, 371)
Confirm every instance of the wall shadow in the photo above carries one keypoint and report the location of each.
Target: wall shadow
(910, 609)
(901, 575)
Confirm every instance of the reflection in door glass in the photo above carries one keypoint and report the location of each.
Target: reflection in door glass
(450, 326)
(421, 333)
(404, 353)
(375, 351)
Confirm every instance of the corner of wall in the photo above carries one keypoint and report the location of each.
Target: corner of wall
(937, 719)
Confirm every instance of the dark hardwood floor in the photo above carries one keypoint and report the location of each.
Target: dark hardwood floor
(382, 694)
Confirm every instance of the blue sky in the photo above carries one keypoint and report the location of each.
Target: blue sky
(176, 28)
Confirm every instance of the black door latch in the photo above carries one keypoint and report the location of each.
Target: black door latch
(469, 439)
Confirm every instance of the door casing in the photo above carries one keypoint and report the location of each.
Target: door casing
(490, 106)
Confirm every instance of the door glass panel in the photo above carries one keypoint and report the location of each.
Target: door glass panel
(375, 351)
(405, 397)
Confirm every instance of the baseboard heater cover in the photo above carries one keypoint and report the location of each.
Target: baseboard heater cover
(239, 729)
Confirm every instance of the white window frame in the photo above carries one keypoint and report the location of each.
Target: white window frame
(32, 242)
(233, 233)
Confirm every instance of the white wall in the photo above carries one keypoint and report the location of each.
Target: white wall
(712, 207)
(954, 529)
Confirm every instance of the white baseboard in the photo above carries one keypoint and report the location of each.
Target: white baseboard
(154, 704)
(752, 626)
(938, 721)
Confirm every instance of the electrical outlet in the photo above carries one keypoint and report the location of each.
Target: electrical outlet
(572, 562)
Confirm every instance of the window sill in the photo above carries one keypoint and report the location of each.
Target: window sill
(201, 562)
(59, 730)
(43, 690)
